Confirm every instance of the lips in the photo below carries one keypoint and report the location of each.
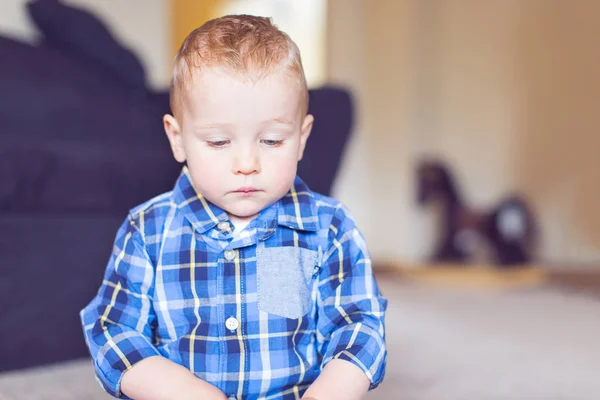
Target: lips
(246, 190)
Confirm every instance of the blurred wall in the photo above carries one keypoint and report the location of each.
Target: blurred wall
(346, 65)
(142, 25)
(506, 91)
(14, 21)
(371, 49)
(559, 98)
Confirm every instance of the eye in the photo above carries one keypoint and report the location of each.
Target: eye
(272, 143)
(218, 143)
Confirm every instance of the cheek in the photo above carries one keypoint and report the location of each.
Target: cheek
(203, 176)
(281, 171)
(206, 168)
(282, 162)
(200, 156)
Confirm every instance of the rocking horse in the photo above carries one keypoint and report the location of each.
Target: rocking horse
(506, 232)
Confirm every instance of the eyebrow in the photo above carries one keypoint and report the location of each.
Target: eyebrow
(282, 120)
(211, 126)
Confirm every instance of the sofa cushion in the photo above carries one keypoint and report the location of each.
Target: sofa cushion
(61, 176)
(86, 37)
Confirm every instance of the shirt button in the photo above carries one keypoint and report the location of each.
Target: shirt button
(232, 397)
(232, 323)
(229, 255)
(223, 226)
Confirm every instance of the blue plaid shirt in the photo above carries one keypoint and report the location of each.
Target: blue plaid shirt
(257, 313)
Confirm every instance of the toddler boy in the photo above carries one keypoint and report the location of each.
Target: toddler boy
(240, 283)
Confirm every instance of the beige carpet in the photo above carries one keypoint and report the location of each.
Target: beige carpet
(524, 344)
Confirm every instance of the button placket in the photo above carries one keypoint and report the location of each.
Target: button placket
(232, 324)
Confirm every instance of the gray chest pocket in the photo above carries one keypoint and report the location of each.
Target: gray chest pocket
(284, 277)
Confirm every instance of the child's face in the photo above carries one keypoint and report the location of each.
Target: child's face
(242, 140)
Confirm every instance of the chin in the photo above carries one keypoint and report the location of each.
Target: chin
(245, 212)
(248, 207)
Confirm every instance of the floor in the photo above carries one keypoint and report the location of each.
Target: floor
(524, 343)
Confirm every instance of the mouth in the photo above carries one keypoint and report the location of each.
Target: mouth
(246, 190)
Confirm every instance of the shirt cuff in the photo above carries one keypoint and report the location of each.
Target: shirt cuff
(363, 347)
(118, 356)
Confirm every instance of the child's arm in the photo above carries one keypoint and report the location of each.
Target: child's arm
(351, 317)
(118, 325)
(157, 378)
(339, 380)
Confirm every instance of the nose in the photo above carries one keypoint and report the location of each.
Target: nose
(246, 162)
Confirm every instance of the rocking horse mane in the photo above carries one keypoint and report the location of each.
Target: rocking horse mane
(436, 182)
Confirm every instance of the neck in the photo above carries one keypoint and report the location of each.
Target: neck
(241, 220)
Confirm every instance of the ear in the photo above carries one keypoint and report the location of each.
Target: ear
(307, 125)
(173, 131)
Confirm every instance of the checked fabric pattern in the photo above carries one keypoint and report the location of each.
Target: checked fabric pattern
(257, 313)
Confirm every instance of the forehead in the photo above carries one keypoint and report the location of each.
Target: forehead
(215, 93)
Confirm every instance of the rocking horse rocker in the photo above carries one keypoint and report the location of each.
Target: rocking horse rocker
(506, 231)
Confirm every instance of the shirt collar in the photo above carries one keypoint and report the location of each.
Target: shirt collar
(296, 210)
(202, 214)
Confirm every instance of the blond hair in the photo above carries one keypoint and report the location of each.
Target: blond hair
(250, 46)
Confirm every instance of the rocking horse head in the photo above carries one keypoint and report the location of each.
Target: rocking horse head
(434, 182)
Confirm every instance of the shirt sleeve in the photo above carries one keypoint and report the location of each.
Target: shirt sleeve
(118, 322)
(351, 307)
